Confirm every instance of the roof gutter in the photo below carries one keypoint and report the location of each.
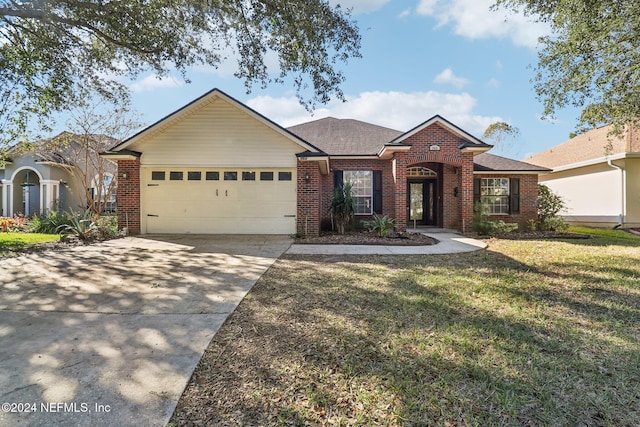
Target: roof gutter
(621, 216)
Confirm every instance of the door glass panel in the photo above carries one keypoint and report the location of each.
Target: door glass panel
(417, 203)
(431, 204)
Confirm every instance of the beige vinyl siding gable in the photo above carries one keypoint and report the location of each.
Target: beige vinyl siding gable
(217, 134)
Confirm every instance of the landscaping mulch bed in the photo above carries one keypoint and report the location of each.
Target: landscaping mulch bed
(368, 238)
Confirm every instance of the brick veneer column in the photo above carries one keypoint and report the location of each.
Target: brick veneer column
(129, 195)
(401, 192)
(466, 186)
(308, 217)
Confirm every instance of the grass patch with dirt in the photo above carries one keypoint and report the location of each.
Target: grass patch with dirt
(524, 333)
(10, 242)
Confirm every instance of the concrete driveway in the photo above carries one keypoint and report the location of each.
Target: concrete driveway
(109, 334)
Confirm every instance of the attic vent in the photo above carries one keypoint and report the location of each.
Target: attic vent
(421, 172)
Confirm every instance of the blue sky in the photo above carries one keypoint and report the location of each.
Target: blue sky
(455, 58)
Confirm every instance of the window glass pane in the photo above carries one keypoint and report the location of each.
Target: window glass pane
(194, 176)
(176, 176)
(212, 176)
(248, 176)
(157, 175)
(284, 176)
(231, 176)
(361, 189)
(266, 176)
(494, 195)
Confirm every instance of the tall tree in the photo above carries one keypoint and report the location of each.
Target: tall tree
(591, 60)
(501, 133)
(53, 52)
(94, 126)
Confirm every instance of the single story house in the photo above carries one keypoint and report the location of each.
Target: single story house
(39, 179)
(597, 175)
(217, 166)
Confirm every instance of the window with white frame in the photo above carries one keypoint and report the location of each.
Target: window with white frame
(494, 195)
(361, 190)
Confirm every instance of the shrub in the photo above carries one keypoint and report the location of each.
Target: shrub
(107, 227)
(343, 207)
(50, 223)
(84, 227)
(549, 206)
(380, 225)
(19, 223)
(555, 224)
(483, 225)
(6, 223)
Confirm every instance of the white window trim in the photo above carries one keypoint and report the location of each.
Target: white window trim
(508, 186)
(370, 196)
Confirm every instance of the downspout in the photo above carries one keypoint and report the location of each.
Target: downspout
(621, 217)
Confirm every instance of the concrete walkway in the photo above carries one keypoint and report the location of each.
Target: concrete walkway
(109, 334)
(449, 242)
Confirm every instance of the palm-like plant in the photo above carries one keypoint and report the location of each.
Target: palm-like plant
(343, 206)
(81, 226)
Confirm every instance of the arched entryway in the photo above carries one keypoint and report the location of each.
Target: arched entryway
(26, 198)
(27, 192)
(423, 206)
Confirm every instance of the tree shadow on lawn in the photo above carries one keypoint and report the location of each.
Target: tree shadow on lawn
(435, 340)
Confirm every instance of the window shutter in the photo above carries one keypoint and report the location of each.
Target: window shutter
(338, 179)
(377, 192)
(514, 193)
(476, 192)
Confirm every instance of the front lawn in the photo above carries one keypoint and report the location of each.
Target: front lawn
(18, 241)
(524, 333)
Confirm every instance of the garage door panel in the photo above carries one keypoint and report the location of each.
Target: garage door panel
(219, 207)
(155, 225)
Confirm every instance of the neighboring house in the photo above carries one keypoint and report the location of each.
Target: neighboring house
(597, 175)
(41, 178)
(217, 166)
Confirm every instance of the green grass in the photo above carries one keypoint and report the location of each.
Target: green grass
(18, 241)
(523, 333)
(605, 233)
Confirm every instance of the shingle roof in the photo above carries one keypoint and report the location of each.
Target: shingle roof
(345, 136)
(588, 146)
(486, 162)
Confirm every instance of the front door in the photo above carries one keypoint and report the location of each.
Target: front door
(422, 199)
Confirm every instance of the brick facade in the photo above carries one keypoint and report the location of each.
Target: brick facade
(308, 187)
(453, 166)
(455, 198)
(129, 195)
(528, 199)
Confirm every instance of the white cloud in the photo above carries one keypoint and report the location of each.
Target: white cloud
(360, 6)
(396, 110)
(153, 82)
(474, 19)
(426, 7)
(493, 82)
(405, 13)
(448, 77)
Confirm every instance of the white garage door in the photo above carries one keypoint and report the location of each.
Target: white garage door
(219, 201)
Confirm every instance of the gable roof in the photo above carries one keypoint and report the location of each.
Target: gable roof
(55, 150)
(343, 137)
(470, 140)
(201, 102)
(485, 162)
(589, 146)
